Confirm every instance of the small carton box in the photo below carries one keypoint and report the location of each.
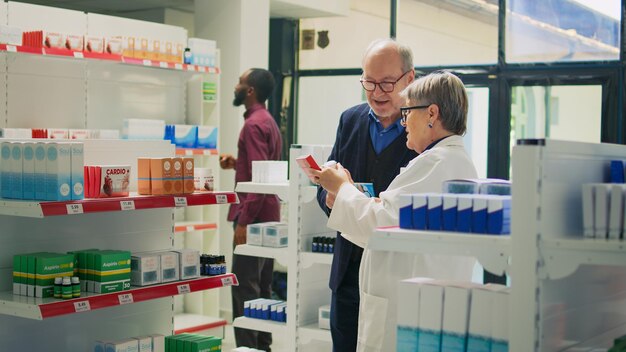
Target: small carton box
(114, 181)
(430, 317)
(143, 176)
(54, 40)
(158, 343)
(420, 211)
(479, 330)
(6, 170)
(170, 263)
(28, 170)
(406, 211)
(94, 44)
(47, 267)
(126, 345)
(500, 318)
(58, 167)
(602, 202)
(58, 133)
(435, 203)
(408, 315)
(464, 212)
(161, 175)
(207, 137)
(111, 271)
(17, 163)
(247, 306)
(499, 215)
(144, 343)
(188, 175)
(479, 214)
(189, 261)
(177, 176)
(40, 171)
(145, 269)
(17, 274)
(276, 235)
(616, 212)
(74, 42)
(114, 45)
(254, 233)
(456, 311)
(323, 317)
(77, 171)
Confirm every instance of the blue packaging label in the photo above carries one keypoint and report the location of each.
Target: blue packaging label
(29, 175)
(434, 218)
(5, 176)
(420, 211)
(17, 186)
(451, 342)
(407, 339)
(478, 344)
(499, 346)
(429, 341)
(449, 219)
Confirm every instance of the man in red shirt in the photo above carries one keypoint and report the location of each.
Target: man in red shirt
(259, 139)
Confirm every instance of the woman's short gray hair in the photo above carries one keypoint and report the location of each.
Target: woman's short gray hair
(446, 91)
(405, 52)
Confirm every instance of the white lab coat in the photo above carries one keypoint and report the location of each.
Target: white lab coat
(356, 216)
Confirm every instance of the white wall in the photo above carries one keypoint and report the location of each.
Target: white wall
(241, 29)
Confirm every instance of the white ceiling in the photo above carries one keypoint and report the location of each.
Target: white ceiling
(278, 8)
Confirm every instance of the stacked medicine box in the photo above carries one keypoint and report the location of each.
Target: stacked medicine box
(160, 267)
(41, 170)
(34, 273)
(603, 206)
(148, 343)
(444, 316)
(266, 309)
(476, 206)
(268, 234)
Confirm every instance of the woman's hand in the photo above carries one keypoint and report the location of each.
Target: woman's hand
(332, 178)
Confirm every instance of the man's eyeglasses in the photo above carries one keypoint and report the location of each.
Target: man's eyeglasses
(405, 110)
(386, 87)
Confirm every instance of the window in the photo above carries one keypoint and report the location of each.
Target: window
(449, 32)
(562, 30)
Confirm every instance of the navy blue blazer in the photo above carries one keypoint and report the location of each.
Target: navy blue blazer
(351, 150)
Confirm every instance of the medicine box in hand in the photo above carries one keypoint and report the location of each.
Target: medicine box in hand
(307, 162)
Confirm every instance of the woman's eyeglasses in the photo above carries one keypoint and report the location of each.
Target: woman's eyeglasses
(405, 110)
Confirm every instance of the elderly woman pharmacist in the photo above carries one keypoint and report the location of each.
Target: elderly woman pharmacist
(435, 118)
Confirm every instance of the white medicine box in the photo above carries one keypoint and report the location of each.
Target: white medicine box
(145, 269)
(276, 235)
(324, 317)
(254, 233)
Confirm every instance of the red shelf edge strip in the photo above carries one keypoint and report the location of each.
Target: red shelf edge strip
(197, 328)
(140, 294)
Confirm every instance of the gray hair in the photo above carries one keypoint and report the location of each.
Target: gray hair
(446, 91)
(406, 54)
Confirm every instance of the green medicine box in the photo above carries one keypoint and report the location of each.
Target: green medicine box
(47, 267)
(111, 271)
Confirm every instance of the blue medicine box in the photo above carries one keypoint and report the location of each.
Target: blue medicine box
(448, 212)
(420, 211)
(406, 211)
(435, 203)
(479, 214)
(499, 215)
(464, 213)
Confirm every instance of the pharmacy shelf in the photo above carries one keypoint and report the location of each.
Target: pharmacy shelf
(191, 323)
(278, 254)
(195, 151)
(312, 332)
(270, 326)
(41, 209)
(43, 308)
(562, 257)
(189, 226)
(71, 54)
(279, 189)
(309, 258)
(493, 252)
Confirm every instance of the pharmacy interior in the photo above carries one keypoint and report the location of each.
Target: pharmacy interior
(114, 205)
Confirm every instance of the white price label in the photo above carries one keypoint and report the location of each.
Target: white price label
(79, 55)
(74, 208)
(163, 64)
(180, 201)
(82, 306)
(183, 289)
(190, 228)
(201, 68)
(178, 66)
(127, 204)
(147, 62)
(221, 199)
(126, 298)
(11, 48)
(227, 281)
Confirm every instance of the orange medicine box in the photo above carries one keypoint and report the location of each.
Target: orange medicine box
(161, 173)
(188, 167)
(177, 176)
(143, 176)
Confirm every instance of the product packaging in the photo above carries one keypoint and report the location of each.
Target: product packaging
(188, 175)
(111, 271)
(114, 181)
(77, 171)
(479, 214)
(145, 269)
(161, 173)
(40, 171)
(456, 311)
(17, 184)
(406, 211)
(189, 260)
(170, 266)
(276, 235)
(177, 175)
(207, 137)
(430, 318)
(143, 176)
(28, 170)
(420, 211)
(435, 203)
(448, 212)
(203, 179)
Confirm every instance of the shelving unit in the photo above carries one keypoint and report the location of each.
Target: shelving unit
(66, 89)
(273, 327)
(44, 308)
(278, 254)
(279, 189)
(567, 292)
(189, 226)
